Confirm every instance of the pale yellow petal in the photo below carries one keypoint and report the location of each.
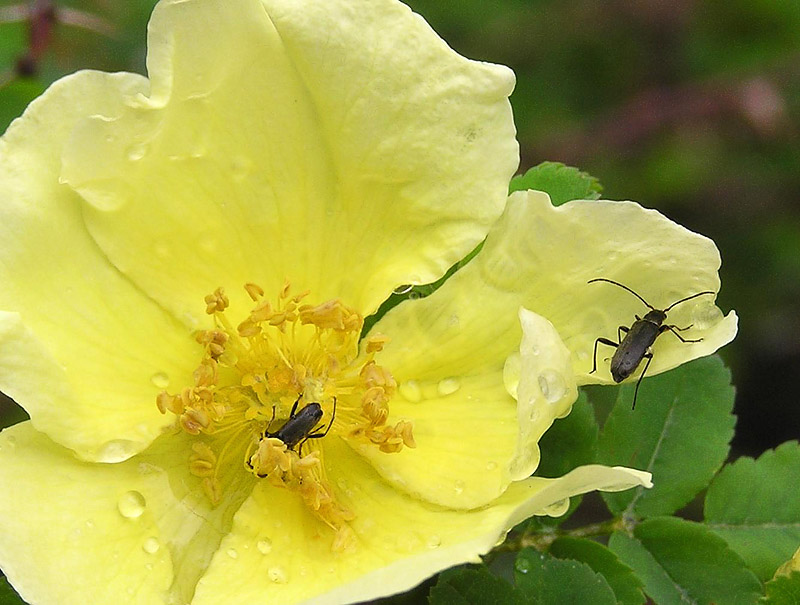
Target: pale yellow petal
(283, 554)
(541, 257)
(546, 390)
(140, 531)
(82, 349)
(466, 432)
(341, 145)
(472, 438)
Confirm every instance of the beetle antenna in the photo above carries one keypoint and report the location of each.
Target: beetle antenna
(688, 298)
(649, 306)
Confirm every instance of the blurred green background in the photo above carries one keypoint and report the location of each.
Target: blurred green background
(691, 107)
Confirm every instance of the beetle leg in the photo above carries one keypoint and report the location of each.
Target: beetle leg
(294, 407)
(674, 330)
(638, 382)
(605, 341)
(620, 331)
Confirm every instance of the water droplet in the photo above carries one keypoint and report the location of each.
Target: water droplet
(118, 450)
(131, 505)
(90, 524)
(240, 168)
(414, 295)
(411, 391)
(264, 546)
(434, 541)
(151, 546)
(552, 385)
(448, 386)
(231, 552)
(491, 466)
(522, 565)
(459, 487)
(404, 289)
(160, 380)
(278, 575)
(137, 152)
(705, 315)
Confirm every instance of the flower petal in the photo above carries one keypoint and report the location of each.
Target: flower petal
(76, 532)
(546, 391)
(401, 541)
(339, 144)
(466, 432)
(80, 346)
(541, 257)
(472, 438)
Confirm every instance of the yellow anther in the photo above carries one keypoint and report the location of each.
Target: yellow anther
(376, 342)
(202, 460)
(254, 291)
(212, 489)
(216, 302)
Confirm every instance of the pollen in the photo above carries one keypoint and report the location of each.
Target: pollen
(271, 389)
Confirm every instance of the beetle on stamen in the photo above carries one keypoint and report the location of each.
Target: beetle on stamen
(299, 428)
(635, 345)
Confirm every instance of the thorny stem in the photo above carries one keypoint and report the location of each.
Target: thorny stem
(541, 539)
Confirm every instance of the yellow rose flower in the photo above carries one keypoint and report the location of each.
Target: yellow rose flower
(187, 261)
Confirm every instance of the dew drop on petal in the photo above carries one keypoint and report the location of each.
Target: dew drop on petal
(160, 380)
(151, 546)
(448, 386)
(459, 487)
(231, 552)
(552, 385)
(491, 466)
(404, 289)
(277, 575)
(131, 504)
(241, 166)
(264, 546)
(433, 541)
(137, 152)
(411, 391)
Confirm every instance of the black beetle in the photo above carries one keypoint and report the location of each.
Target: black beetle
(635, 345)
(300, 425)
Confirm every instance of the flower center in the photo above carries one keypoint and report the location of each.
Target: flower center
(268, 392)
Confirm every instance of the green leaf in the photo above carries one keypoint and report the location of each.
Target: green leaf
(679, 431)
(545, 581)
(562, 183)
(626, 586)
(783, 590)
(7, 594)
(468, 586)
(755, 506)
(681, 561)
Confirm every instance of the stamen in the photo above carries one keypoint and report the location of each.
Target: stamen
(280, 383)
